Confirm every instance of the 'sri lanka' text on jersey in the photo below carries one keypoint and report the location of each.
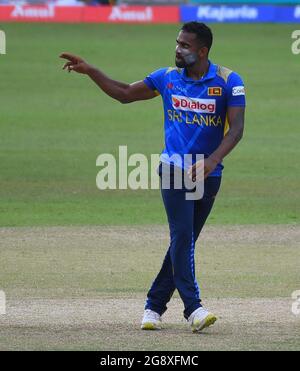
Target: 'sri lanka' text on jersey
(196, 111)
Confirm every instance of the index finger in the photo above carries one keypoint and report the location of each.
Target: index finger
(69, 57)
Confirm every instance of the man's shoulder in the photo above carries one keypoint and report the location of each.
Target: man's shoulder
(226, 74)
(164, 71)
(173, 70)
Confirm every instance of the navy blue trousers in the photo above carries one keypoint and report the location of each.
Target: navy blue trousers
(186, 219)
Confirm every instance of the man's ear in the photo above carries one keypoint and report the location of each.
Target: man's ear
(203, 52)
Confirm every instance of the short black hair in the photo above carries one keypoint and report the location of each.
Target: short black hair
(201, 30)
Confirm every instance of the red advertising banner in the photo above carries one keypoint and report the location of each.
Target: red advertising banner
(132, 14)
(40, 13)
(90, 14)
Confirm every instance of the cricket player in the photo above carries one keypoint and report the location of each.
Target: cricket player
(204, 105)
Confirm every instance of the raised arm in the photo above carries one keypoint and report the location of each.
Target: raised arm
(124, 93)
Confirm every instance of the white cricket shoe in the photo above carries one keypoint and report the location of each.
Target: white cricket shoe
(151, 320)
(201, 319)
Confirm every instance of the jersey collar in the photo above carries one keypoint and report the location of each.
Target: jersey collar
(211, 74)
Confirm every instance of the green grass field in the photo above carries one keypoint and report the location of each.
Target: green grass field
(54, 125)
(76, 262)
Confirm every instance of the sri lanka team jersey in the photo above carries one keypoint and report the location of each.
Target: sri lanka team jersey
(195, 111)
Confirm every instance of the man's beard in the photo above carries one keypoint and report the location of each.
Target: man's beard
(187, 60)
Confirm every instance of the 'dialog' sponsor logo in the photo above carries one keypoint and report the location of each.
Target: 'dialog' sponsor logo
(194, 104)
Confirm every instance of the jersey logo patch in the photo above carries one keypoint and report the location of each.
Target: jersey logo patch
(214, 91)
(194, 104)
(238, 90)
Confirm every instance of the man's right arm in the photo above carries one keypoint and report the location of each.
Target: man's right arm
(124, 93)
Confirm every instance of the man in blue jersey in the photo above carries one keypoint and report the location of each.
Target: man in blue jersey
(204, 107)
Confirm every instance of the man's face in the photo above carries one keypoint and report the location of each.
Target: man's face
(187, 49)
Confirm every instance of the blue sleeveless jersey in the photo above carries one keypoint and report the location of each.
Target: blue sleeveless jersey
(196, 111)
